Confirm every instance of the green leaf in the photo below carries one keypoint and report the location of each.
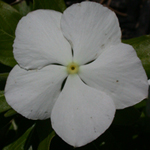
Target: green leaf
(45, 143)
(4, 121)
(9, 18)
(19, 143)
(45, 134)
(10, 113)
(23, 7)
(5, 68)
(3, 104)
(57, 5)
(142, 47)
(142, 104)
(3, 76)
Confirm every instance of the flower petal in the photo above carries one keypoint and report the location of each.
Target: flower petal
(119, 72)
(33, 93)
(39, 40)
(81, 113)
(90, 28)
(149, 81)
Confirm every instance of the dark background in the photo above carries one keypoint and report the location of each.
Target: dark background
(133, 15)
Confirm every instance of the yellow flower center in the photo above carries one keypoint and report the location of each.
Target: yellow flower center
(73, 68)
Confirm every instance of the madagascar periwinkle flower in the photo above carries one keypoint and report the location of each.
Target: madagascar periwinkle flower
(73, 69)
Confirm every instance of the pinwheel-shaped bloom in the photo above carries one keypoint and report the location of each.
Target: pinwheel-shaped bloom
(73, 68)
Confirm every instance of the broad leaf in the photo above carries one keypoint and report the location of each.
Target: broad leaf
(9, 18)
(57, 5)
(142, 47)
(3, 104)
(23, 7)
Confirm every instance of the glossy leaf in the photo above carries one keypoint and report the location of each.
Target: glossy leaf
(3, 104)
(23, 7)
(19, 143)
(45, 134)
(9, 18)
(142, 47)
(57, 5)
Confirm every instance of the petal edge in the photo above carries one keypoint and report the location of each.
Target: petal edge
(33, 93)
(81, 113)
(39, 40)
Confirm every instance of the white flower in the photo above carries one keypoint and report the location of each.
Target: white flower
(83, 46)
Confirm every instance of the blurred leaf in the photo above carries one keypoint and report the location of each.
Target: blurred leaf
(45, 144)
(10, 112)
(3, 76)
(148, 104)
(19, 143)
(23, 8)
(24, 124)
(3, 104)
(142, 104)
(45, 134)
(5, 130)
(9, 18)
(126, 116)
(57, 5)
(29, 142)
(18, 126)
(3, 134)
(4, 121)
(4, 68)
(142, 47)
(106, 141)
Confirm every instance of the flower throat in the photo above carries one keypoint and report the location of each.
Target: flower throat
(73, 68)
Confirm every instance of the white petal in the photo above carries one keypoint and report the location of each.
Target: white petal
(81, 113)
(119, 72)
(149, 81)
(39, 40)
(33, 93)
(90, 28)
